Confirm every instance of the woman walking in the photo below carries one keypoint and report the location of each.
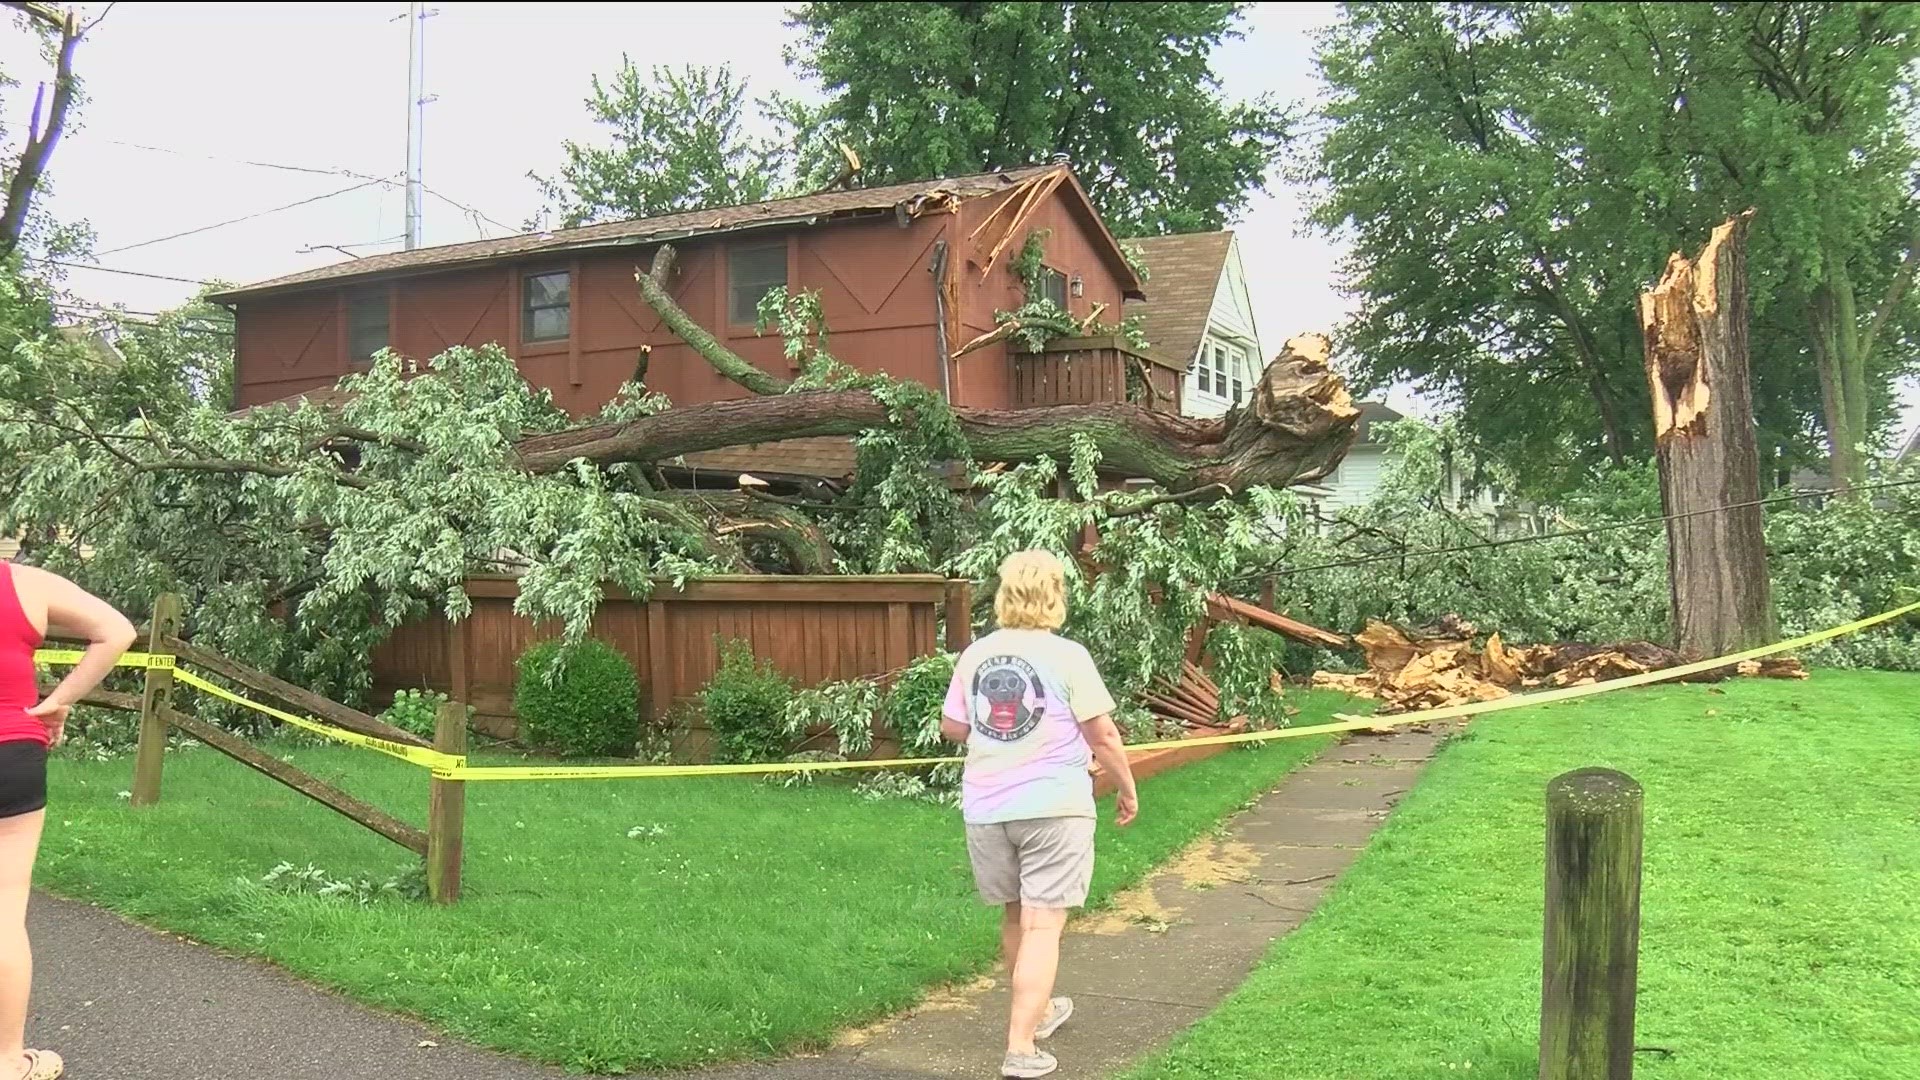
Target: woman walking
(33, 602)
(1031, 709)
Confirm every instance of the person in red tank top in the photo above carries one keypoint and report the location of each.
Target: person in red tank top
(34, 602)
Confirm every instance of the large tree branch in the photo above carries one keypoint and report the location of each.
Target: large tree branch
(38, 148)
(1296, 428)
(654, 290)
(1896, 291)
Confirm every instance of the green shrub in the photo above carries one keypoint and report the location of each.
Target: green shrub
(746, 706)
(580, 700)
(417, 711)
(912, 707)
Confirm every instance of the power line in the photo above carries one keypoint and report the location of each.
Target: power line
(118, 314)
(311, 169)
(246, 217)
(116, 270)
(329, 171)
(1612, 526)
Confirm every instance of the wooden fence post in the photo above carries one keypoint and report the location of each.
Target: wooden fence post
(959, 605)
(446, 808)
(1592, 940)
(154, 701)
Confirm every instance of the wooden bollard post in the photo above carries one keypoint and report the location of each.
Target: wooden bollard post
(959, 605)
(150, 754)
(446, 808)
(1592, 942)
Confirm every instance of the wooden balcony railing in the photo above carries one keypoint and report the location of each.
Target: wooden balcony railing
(1095, 370)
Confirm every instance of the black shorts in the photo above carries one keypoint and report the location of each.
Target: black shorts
(23, 777)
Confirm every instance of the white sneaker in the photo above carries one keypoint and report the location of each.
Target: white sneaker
(1058, 1010)
(1028, 1066)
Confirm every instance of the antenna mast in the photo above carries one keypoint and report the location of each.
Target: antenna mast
(417, 98)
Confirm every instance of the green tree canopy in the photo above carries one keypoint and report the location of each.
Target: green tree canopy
(678, 141)
(1126, 91)
(1513, 175)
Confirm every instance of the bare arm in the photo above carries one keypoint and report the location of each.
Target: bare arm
(75, 612)
(1103, 738)
(954, 730)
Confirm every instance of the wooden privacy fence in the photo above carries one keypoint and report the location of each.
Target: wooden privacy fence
(813, 628)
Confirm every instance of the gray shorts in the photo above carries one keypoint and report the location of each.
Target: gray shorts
(1038, 862)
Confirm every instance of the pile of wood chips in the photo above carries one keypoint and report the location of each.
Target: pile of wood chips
(1440, 666)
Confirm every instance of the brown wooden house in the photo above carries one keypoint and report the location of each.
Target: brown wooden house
(906, 273)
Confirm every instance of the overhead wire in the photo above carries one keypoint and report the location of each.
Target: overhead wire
(473, 212)
(116, 270)
(247, 217)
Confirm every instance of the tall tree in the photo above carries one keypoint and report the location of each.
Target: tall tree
(61, 32)
(1126, 91)
(678, 142)
(1513, 174)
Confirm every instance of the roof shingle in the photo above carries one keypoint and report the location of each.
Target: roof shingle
(1183, 273)
(797, 210)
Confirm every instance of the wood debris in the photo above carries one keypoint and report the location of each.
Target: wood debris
(1440, 666)
(1191, 701)
(1229, 609)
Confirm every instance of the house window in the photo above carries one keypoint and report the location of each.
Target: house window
(1053, 286)
(1239, 377)
(366, 324)
(752, 273)
(546, 306)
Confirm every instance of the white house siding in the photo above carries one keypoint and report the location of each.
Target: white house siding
(1356, 478)
(1230, 327)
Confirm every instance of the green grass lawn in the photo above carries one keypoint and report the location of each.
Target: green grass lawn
(757, 920)
(1781, 904)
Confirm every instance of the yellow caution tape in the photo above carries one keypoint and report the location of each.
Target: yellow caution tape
(454, 767)
(418, 755)
(1343, 722)
(422, 756)
(131, 659)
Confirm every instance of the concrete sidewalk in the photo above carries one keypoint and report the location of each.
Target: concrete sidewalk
(122, 1002)
(1171, 949)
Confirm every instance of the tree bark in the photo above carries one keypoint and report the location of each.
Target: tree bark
(1296, 429)
(40, 142)
(1694, 323)
(655, 291)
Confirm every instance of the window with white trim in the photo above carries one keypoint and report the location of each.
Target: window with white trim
(1220, 371)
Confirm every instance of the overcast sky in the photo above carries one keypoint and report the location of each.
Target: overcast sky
(182, 97)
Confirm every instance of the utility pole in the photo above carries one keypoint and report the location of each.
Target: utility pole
(417, 16)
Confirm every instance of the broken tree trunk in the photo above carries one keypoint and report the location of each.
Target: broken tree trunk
(1296, 428)
(1695, 326)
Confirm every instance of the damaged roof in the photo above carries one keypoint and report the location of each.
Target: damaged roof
(907, 200)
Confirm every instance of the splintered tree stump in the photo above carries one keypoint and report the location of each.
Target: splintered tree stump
(1694, 322)
(1591, 952)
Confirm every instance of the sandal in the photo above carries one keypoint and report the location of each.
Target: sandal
(44, 1065)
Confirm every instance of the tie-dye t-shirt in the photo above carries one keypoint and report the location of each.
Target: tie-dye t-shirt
(1023, 694)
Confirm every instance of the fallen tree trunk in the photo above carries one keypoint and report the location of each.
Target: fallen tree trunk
(1296, 428)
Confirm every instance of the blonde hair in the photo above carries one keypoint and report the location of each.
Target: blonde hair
(1032, 593)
